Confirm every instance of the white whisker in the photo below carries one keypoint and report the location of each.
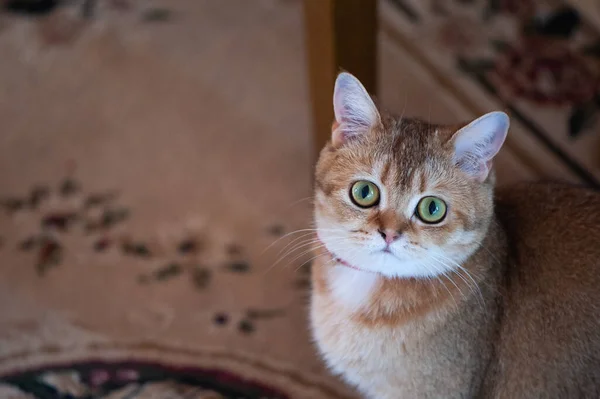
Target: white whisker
(299, 231)
(474, 286)
(305, 244)
(436, 273)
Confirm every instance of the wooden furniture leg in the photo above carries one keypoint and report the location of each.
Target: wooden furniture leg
(340, 35)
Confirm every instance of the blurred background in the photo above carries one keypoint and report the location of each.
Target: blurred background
(156, 162)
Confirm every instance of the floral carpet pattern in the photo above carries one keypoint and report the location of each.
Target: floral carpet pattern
(131, 380)
(538, 60)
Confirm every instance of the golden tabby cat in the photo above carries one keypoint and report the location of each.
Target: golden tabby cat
(427, 286)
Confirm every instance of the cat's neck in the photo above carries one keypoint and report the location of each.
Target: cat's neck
(379, 300)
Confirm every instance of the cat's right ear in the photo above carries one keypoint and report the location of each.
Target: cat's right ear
(355, 112)
(476, 144)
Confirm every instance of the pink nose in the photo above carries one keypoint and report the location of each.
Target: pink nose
(389, 235)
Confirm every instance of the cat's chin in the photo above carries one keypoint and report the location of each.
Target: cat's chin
(405, 269)
(390, 265)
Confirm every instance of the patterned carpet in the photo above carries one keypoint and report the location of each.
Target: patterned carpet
(154, 155)
(538, 60)
(150, 153)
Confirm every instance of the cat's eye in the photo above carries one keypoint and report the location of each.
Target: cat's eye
(364, 194)
(431, 210)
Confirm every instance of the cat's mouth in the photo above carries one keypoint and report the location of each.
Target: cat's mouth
(387, 251)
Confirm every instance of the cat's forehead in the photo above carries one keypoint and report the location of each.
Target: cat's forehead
(411, 138)
(401, 151)
(405, 155)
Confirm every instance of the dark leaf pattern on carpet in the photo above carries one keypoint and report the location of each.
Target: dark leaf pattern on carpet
(99, 213)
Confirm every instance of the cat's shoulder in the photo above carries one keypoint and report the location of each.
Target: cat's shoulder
(551, 204)
(551, 229)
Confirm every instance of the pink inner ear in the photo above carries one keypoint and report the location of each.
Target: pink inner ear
(477, 144)
(354, 110)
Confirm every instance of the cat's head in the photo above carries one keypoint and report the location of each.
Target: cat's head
(401, 197)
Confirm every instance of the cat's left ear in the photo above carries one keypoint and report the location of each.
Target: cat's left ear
(476, 144)
(355, 112)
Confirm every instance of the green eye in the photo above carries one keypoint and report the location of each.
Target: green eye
(431, 210)
(364, 194)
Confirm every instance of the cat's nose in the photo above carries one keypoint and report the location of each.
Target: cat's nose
(389, 235)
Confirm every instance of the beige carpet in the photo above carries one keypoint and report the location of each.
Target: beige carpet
(150, 127)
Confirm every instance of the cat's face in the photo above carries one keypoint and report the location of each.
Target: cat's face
(400, 197)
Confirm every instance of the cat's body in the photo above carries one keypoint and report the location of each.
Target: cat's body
(535, 333)
(549, 341)
(484, 302)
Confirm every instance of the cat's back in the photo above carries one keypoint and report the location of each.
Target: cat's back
(549, 337)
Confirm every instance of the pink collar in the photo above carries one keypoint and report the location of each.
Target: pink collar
(344, 263)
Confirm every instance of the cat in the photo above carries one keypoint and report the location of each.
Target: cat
(431, 285)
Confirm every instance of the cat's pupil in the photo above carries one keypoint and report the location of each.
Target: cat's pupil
(433, 208)
(365, 191)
